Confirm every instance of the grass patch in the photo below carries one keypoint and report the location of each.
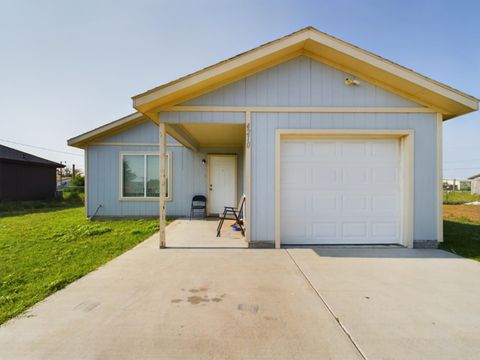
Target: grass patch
(71, 200)
(461, 230)
(459, 197)
(44, 249)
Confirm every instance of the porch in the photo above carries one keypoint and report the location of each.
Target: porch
(213, 160)
(199, 233)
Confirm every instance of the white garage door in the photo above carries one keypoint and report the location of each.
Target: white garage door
(340, 191)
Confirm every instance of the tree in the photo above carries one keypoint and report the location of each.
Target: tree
(78, 180)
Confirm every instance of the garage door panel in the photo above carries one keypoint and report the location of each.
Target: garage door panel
(293, 149)
(355, 203)
(386, 205)
(385, 150)
(294, 174)
(324, 230)
(386, 230)
(386, 175)
(295, 229)
(324, 176)
(324, 149)
(354, 149)
(324, 202)
(355, 175)
(355, 229)
(296, 202)
(350, 195)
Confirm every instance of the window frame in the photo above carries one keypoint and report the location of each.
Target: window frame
(169, 161)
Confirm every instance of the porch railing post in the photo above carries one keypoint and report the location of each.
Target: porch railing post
(163, 182)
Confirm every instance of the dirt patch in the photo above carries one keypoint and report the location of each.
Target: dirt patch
(248, 308)
(462, 213)
(195, 300)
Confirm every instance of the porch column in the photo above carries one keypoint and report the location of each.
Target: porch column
(247, 170)
(163, 183)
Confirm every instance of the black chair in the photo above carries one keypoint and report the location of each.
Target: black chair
(230, 213)
(199, 202)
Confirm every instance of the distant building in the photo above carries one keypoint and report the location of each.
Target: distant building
(475, 181)
(456, 184)
(25, 176)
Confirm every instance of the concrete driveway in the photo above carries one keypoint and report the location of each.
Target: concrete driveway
(252, 303)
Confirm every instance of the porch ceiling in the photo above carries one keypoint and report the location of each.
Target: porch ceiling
(216, 135)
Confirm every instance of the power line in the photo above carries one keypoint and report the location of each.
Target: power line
(469, 168)
(461, 161)
(41, 148)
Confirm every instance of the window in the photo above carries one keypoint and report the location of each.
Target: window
(141, 176)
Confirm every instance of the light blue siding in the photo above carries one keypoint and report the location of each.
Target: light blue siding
(299, 82)
(189, 177)
(263, 162)
(143, 133)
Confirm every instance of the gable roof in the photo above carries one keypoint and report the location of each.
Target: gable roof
(9, 154)
(121, 124)
(321, 47)
(309, 42)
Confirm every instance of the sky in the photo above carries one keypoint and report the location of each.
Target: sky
(67, 67)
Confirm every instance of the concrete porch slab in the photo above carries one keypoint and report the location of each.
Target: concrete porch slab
(199, 233)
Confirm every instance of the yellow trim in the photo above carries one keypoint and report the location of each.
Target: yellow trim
(169, 155)
(132, 144)
(310, 42)
(407, 162)
(85, 186)
(209, 164)
(247, 174)
(123, 123)
(440, 177)
(297, 109)
(162, 177)
(179, 133)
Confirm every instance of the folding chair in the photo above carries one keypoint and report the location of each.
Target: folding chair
(199, 202)
(231, 213)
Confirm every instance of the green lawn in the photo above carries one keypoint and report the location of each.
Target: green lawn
(43, 250)
(461, 227)
(459, 197)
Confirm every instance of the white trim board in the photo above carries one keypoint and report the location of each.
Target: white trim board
(296, 109)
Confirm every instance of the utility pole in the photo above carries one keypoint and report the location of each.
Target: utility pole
(73, 171)
(61, 173)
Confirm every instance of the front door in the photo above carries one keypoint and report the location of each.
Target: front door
(222, 175)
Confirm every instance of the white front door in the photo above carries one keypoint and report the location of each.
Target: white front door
(222, 182)
(340, 191)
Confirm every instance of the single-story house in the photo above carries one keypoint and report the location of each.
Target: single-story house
(25, 176)
(475, 184)
(330, 144)
(456, 184)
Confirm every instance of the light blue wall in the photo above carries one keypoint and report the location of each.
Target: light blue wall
(300, 82)
(188, 173)
(145, 132)
(263, 162)
(297, 82)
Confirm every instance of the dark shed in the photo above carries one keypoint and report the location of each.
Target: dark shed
(26, 177)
